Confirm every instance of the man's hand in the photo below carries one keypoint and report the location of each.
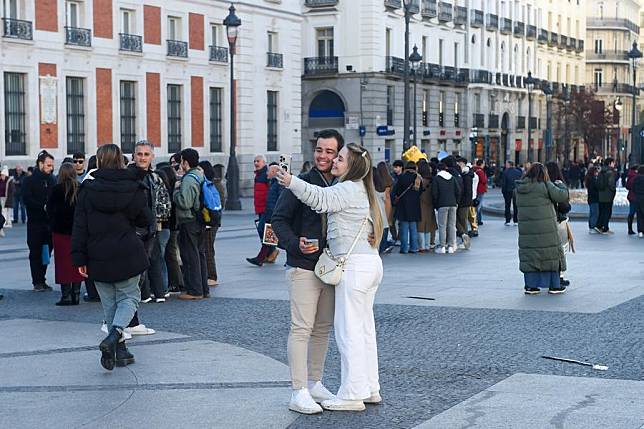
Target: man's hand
(284, 178)
(83, 271)
(372, 239)
(307, 249)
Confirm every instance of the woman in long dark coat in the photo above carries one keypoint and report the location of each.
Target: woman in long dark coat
(541, 254)
(407, 207)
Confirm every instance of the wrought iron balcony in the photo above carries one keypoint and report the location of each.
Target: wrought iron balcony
(506, 26)
(477, 18)
(505, 80)
(554, 39)
(130, 42)
(177, 48)
(493, 121)
(274, 60)
(480, 76)
(607, 56)
(543, 36)
(572, 44)
(445, 12)
(414, 7)
(393, 4)
(432, 71)
(395, 65)
(580, 46)
(17, 29)
(479, 120)
(320, 66)
(519, 29)
(618, 23)
(531, 32)
(448, 73)
(460, 15)
(563, 42)
(78, 36)
(429, 9)
(520, 122)
(463, 75)
(218, 54)
(492, 22)
(320, 3)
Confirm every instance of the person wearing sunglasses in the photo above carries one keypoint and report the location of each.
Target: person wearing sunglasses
(79, 165)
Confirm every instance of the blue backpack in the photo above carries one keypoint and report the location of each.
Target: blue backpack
(209, 203)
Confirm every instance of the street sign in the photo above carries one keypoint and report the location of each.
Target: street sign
(362, 131)
(385, 130)
(642, 133)
(352, 122)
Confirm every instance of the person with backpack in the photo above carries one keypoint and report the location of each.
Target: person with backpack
(211, 230)
(192, 233)
(606, 185)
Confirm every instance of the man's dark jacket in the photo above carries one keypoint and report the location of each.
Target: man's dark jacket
(508, 179)
(467, 193)
(292, 219)
(35, 192)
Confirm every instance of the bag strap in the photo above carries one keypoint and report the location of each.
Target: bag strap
(408, 188)
(355, 240)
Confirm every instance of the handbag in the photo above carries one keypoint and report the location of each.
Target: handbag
(329, 268)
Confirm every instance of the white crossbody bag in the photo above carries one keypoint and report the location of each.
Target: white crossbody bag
(329, 268)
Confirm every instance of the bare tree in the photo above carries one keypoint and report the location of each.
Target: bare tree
(589, 118)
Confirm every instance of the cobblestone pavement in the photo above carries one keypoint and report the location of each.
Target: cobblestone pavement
(431, 357)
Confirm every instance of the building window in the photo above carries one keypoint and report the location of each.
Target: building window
(127, 21)
(324, 37)
(73, 14)
(440, 51)
(390, 104)
(272, 42)
(441, 106)
(128, 116)
(457, 119)
(599, 46)
(216, 139)
(75, 115)
(174, 28)
(14, 114)
(174, 118)
(271, 120)
(388, 42)
(599, 78)
(425, 108)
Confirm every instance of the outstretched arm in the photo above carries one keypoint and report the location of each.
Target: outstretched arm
(322, 200)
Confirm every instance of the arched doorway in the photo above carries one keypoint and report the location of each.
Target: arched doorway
(505, 130)
(326, 110)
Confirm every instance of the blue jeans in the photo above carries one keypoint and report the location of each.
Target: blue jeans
(632, 208)
(19, 205)
(408, 237)
(594, 215)
(163, 237)
(384, 242)
(120, 300)
(479, 209)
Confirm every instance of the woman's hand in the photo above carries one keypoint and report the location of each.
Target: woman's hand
(83, 271)
(284, 178)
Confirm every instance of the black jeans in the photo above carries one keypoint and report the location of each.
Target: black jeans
(175, 277)
(192, 244)
(605, 213)
(38, 234)
(510, 199)
(152, 279)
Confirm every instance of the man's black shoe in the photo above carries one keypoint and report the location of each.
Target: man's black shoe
(532, 290)
(123, 355)
(87, 298)
(255, 261)
(564, 282)
(40, 287)
(558, 290)
(108, 349)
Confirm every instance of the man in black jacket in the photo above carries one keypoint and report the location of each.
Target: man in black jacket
(35, 192)
(508, 178)
(465, 202)
(312, 302)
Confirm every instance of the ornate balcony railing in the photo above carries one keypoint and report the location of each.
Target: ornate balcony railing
(519, 29)
(572, 44)
(477, 19)
(520, 122)
(563, 42)
(177, 48)
(395, 65)
(531, 32)
(612, 23)
(607, 56)
(554, 39)
(274, 60)
(429, 9)
(218, 54)
(320, 3)
(394, 4)
(130, 42)
(460, 15)
(414, 7)
(78, 36)
(506, 26)
(17, 29)
(479, 120)
(543, 36)
(493, 121)
(320, 65)
(580, 46)
(445, 12)
(480, 76)
(492, 23)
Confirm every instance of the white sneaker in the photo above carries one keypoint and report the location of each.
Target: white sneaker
(375, 398)
(640, 234)
(159, 300)
(338, 404)
(507, 224)
(515, 224)
(139, 330)
(302, 402)
(146, 300)
(440, 249)
(126, 336)
(450, 249)
(320, 393)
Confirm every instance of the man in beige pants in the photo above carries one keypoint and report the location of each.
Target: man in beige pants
(300, 233)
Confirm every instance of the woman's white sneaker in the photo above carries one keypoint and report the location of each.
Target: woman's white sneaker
(126, 336)
(320, 393)
(140, 330)
(302, 402)
(375, 398)
(338, 404)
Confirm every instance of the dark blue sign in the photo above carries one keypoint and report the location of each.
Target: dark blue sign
(362, 130)
(385, 130)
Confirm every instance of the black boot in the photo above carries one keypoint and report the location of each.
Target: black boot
(564, 282)
(123, 355)
(630, 224)
(76, 287)
(108, 348)
(66, 294)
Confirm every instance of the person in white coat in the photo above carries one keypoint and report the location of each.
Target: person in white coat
(347, 205)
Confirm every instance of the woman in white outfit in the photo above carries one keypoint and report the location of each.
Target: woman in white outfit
(348, 204)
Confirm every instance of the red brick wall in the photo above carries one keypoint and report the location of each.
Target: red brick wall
(104, 106)
(153, 107)
(196, 28)
(152, 24)
(48, 132)
(196, 110)
(103, 19)
(46, 15)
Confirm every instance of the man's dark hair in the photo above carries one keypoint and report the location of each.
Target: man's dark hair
(510, 163)
(273, 163)
(176, 157)
(91, 163)
(332, 134)
(191, 156)
(208, 171)
(442, 166)
(78, 155)
(399, 163)
(607, 161)
(450, 161)
(68, 159)
(42, 156)
(411, 165)
(479, 162)
(461, 159)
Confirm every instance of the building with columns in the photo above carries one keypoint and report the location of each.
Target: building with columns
(77, 74)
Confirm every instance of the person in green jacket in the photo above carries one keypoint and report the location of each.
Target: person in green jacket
(541, 255)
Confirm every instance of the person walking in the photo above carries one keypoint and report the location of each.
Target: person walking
(352, 211)
(7, 190)
(592, 197)
(60, 211)
(541, 255)
(606, 186)
(109, 208)
(312, 302)
(383, 183)
(638, 190)
(268, 253)
(465, 203)
(508, 182)
(192, 233)
(632, 203)
(561, 210)
(18, 205)
(407, 207)
(427, 226)
(481, 189)
(35, 192)
(446, 193)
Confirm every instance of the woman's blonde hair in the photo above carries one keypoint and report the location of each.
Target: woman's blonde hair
(360, 168)
(109, 156)
(68, 178)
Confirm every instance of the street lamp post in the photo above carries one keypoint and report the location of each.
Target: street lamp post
(363, 84)
(232, 23)
(407, 12)
(415, 58)
(547, 90)
(619, 106)
(634, 55)
(529, 82)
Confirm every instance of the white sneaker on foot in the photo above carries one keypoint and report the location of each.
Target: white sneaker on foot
(640, 234)
(338, 404)
(159, 300)
(375, 398)
(140, 330)
(126, 336)
(450, 249)
(320, 393)
(302, 402)
(440, 249)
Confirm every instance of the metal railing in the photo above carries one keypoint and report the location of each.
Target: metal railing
(460, 15)
(395, 65)
(17, 29)
(130, 42)
(519, 29)
(543, 36)
(78, 36)
(572, 44)
(580, 46)
(177, 48)
(429, 9)
(493, 121)
(563, 42)
(607, 56)
(506, 26)
(492, 23)
(619, 88)
(320, 3)
(520, 122)
(414, 7)
(395, 4)
(480, 76)
(479, 120)
(218, 54)
(477, 19)
(445, 12)
(320, 65)
(612, 23)
(274, 60)
(531, 32)
(554, 39)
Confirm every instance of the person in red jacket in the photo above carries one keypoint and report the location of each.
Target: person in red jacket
(481, 189)
(630, 179)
